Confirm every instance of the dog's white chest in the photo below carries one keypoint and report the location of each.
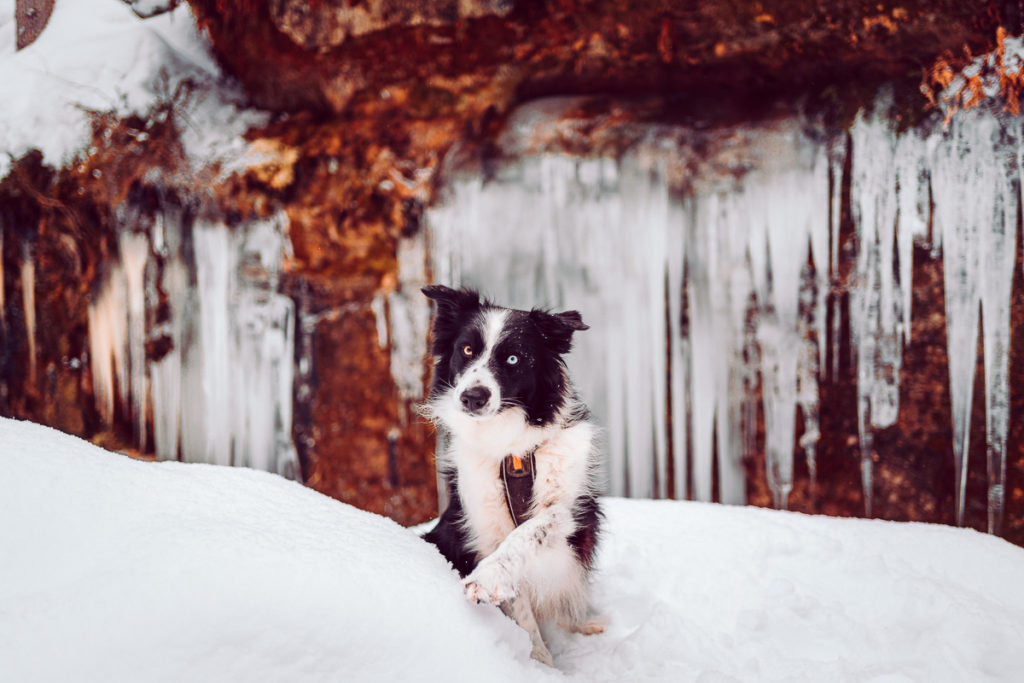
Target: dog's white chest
(483, 500)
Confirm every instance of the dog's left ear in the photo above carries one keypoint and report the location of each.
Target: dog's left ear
(557, 328)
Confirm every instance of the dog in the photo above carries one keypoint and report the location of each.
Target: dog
(517, 452)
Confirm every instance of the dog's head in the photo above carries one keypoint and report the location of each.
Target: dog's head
(490, 359)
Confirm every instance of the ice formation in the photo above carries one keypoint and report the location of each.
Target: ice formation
(547, 233)
(409, 319)
(880, 292)
(976, 179)
(604, 236)
(28, 303)
(218, 384)
(698, 299)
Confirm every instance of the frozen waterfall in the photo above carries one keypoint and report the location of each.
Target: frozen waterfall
(187, 330)
(710, 290)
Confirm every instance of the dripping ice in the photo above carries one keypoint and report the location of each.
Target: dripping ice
(751, 262)
(976, 178)
(605, 237)
(206, 296)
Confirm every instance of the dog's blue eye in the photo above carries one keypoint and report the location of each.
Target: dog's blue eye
(512, 360)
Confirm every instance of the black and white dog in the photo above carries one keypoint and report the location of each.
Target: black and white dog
(501, 394)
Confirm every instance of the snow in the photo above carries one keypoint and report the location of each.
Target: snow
(120, 570)
(98, 55)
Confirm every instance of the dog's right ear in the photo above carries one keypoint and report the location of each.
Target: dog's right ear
(451, 301)
(454, 306)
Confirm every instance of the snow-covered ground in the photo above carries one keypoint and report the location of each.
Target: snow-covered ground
(113, 569)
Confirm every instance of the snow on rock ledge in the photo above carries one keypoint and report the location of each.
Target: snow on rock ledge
(98, 56)
(120, 570)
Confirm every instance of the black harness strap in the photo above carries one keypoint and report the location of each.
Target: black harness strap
(517, 476)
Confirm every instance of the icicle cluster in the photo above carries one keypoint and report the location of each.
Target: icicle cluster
(697, 301)
(218, 384)
(604, 237)
(976, 188)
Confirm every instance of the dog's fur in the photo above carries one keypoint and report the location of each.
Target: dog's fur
(500, 387)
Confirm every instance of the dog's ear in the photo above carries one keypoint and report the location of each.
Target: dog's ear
(557, 328)
(454, 306)
(452, 303)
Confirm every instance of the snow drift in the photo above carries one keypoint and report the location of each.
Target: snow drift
(119, 570)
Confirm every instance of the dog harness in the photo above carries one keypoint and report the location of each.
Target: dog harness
(517, 476)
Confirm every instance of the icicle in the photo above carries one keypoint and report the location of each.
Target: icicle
(262, 354)
(816, 198)
(134, 256)
(28, 302)
(999, 252)
(813, 295)
(837, 156)
(914, 206)
(836, 159)
(976, 213)
(717, 291)
(807, 367)
(777, 232)
(679, 347)
(778, 288)
(107, 334)
(879, 304)
(647, 205)
(710, 341)
(380, 315)
(208, 426)
(166, 378)
(410, 320)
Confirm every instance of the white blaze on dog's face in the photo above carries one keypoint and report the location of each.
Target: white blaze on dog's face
(477, 389)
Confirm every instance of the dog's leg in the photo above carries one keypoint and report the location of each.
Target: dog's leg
(521, 611)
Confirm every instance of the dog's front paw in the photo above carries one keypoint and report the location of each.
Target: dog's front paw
(490, 582)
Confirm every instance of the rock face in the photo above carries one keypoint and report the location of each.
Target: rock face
(375, 98)
(487, 54)
(325, 25)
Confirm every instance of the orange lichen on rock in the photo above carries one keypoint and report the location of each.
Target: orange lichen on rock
(960, 84)
(1011, 80)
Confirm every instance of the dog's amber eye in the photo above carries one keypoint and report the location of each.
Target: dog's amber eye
(467, 350)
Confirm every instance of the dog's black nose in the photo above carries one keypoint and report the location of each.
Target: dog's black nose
(475, 398)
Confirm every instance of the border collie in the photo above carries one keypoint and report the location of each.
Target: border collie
(502, 397)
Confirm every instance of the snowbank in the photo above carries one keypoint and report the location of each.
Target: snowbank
(99, 55)
(119, 570)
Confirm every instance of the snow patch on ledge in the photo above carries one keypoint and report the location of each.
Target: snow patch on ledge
(97, 55)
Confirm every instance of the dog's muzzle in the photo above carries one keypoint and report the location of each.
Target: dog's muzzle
(475, 399)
